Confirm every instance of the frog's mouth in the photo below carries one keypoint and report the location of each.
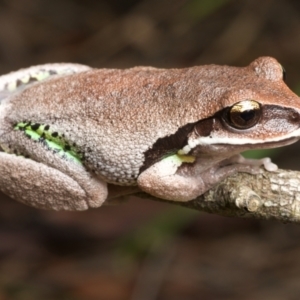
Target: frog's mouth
(260, 145)
(277, 144)
(257, 146)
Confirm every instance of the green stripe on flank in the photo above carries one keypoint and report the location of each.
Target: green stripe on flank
(179, 159)
(53, 140)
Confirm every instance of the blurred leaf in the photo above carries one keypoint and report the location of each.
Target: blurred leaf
(297, 89)
(261, 153)
(199, 9)
(157, 230)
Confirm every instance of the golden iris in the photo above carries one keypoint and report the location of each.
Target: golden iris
(244, 114)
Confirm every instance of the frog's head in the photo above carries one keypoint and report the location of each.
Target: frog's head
(257, 111)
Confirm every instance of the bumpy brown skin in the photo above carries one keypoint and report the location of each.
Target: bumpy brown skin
(115, 116)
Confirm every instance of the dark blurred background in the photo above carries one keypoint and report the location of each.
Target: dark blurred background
(143, 250)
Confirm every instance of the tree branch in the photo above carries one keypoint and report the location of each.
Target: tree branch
(268, 195)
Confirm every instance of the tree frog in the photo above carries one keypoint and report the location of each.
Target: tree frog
(72, 136)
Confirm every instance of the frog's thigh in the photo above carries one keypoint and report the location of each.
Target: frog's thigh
(161, 180)
(38, 185)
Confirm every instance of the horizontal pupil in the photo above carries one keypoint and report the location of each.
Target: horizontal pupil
(247, 115)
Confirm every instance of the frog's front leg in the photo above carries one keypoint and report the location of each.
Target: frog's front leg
(182, 178)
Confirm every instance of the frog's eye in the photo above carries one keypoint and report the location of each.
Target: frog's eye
(283, 74)
(244, 114)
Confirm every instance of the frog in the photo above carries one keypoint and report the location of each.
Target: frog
(74, 137)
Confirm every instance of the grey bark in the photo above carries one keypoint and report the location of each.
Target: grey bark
(268, 195)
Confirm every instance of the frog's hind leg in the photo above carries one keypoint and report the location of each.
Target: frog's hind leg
(45, 170)
(41, 186)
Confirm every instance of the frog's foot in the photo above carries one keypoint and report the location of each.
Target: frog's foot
(266, 162)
